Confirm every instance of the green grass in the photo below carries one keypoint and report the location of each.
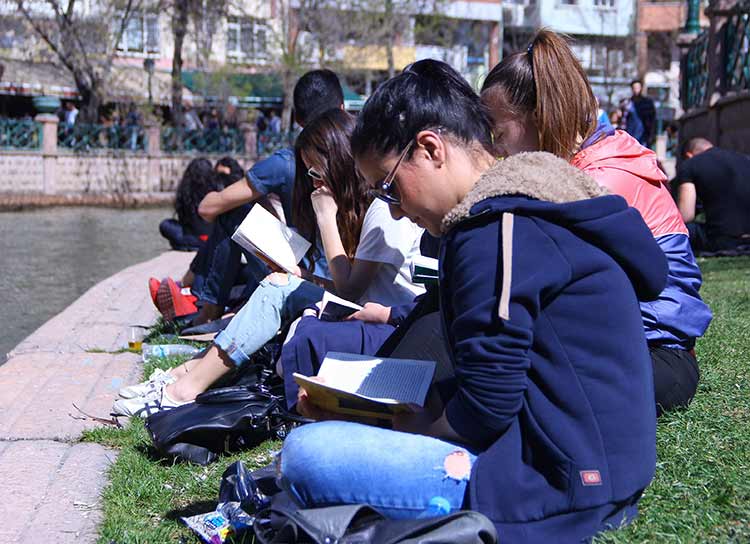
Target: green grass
(701, 492)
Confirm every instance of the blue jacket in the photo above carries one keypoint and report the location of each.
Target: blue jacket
(539, 283)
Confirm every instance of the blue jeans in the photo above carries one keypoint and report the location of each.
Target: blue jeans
(261, 317)
(337, 462)
(220, 263)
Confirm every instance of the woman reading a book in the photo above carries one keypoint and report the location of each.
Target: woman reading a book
(540, 99)
(367, 251)
(550, 430)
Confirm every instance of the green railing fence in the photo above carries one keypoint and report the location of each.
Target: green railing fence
(718, 63)
(696, 72)
(737, 52)
(269, 142)
(89, 137)
(20, 134)
(230, 141)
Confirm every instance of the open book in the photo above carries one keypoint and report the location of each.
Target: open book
(424, 270)
(333, 308)
(270, 239)
(369, 386)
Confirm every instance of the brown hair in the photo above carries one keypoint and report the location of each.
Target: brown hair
(548, 81)
(326, 140)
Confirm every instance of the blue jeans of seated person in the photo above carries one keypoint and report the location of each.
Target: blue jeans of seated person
(338, 462)
(263, 314)
(220, 265)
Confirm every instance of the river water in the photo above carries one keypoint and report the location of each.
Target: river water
(50, 257)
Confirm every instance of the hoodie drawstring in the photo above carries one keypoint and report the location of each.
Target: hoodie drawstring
(503, 310)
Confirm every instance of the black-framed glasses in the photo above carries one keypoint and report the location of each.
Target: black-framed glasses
(385, 190)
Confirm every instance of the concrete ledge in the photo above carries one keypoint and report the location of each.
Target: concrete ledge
(51, 485)
(25, 201)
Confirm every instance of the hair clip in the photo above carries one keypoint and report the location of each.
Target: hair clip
(530, 49)
(402, 118)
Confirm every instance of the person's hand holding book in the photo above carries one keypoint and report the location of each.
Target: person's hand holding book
(373, 313)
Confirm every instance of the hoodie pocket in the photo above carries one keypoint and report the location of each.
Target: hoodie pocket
(541, 453)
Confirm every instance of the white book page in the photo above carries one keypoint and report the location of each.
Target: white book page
(261, 232)
(387, 380)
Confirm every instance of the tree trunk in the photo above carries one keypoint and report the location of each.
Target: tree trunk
(289, 70)
(390, 25)
(179, 29)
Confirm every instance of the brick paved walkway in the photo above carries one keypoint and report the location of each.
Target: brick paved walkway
(49, 482)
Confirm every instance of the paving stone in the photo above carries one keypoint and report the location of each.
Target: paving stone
(51, 485)
(37, 392)
(70, 512)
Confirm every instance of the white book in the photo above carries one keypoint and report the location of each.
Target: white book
(333, 308)
(264, 235)
(369, 386)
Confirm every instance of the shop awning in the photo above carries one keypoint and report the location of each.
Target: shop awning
(251, 90)
(127, 83)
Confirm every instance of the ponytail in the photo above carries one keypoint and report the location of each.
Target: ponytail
(548, 81)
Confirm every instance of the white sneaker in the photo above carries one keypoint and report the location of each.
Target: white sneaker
(155, 401)
(158, 379)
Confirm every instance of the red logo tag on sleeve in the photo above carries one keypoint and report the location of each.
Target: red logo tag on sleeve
(591, 477)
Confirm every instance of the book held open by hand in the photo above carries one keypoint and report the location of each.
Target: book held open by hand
(369, 386)
(264, 235)
(333, 308)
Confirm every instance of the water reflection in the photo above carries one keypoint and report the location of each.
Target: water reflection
(48, 258)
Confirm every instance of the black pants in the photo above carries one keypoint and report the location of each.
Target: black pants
(675, 378)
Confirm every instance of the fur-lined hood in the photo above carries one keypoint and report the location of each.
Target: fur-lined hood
(537, 175)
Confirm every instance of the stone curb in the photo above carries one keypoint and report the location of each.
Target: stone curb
(52, 483)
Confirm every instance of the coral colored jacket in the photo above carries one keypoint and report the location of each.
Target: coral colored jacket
(622, 165)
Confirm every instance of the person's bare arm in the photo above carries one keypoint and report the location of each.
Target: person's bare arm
(351, 278)
(686, 198)
(237, 194)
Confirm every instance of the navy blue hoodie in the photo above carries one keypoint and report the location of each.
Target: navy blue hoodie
(540, 277)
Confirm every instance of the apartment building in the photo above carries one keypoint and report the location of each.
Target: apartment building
(602, 32)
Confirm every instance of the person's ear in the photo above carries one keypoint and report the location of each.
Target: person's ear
(342, 107)
(432, 145)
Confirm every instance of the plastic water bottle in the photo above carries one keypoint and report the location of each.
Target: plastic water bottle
(167, 350)
(438, 506)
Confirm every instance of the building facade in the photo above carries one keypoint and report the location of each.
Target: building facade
(602, 33)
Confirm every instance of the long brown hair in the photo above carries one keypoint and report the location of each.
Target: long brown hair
(326, 141)
(548, 81)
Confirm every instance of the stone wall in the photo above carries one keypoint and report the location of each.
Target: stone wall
(725, 123)
(53, 172)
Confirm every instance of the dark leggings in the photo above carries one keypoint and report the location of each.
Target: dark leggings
(675, 378)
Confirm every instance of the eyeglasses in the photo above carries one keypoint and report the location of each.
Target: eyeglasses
(385, 192)
(314, 174)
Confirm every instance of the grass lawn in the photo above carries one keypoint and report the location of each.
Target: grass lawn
(701, 492)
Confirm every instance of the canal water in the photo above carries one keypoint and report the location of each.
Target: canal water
(50, 257)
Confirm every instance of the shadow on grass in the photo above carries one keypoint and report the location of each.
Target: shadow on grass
(193, 509)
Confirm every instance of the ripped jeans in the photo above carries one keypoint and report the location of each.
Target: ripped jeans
(271, 305)
(338, 462)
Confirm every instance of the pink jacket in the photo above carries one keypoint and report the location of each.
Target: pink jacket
(628, 169)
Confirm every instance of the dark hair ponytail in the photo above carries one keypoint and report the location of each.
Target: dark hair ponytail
(548, 81)
(427, 94)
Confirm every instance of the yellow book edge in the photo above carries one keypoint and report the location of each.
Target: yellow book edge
(342, 402)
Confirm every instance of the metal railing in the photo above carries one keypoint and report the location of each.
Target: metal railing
(737, 52)
(229, 141)
(269, 142)
(696, 72)
(20, 134)
(89, 137)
